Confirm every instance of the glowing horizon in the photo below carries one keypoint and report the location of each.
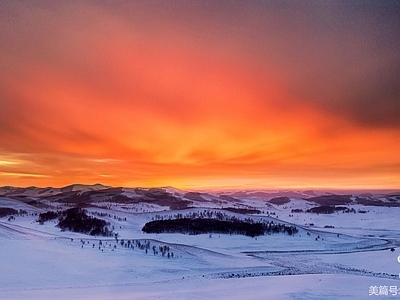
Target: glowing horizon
(200, 94)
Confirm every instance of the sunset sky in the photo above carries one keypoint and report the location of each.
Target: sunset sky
(192, 94)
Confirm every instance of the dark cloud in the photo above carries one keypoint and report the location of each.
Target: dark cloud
(375, 101)
(369, 98)
(345, 61)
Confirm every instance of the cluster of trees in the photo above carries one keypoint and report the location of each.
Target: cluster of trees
(143, 245)
(76, 219)
(279, 200)
(233, 226)
(11, 212)
(5, 211)
(146, 246)
(47, 216)
(243, 210)
(101, 214)
(330, 209)
(205, 214)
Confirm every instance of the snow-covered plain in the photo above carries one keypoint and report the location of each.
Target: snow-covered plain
(348, 260)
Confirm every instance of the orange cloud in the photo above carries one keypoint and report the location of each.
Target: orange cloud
(192, 97)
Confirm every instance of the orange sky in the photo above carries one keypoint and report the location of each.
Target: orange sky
(239, 94)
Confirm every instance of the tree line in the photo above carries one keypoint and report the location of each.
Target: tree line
(77, 220)
(204, 225)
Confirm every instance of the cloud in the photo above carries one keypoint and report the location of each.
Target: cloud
(200, 90)
(374, 102)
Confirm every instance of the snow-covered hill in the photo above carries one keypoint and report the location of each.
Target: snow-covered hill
(356, 241)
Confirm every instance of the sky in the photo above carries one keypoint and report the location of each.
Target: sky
(200, 94)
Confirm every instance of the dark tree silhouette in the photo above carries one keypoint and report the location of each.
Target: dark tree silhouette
(199, 226)
(76, 219)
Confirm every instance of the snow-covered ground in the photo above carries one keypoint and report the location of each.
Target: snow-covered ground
(349, 260)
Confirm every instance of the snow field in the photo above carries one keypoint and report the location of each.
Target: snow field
(41, 262)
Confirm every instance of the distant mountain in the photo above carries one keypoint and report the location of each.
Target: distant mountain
(33, 191)
(333, 200)
(98, 194)
(274, 194)
(84, 187)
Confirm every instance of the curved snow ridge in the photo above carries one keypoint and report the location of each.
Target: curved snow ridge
(188, 249)
(250, 272)
(336, 249)
(14, 231)
(17, 204)
(198, 251)
(308, 263)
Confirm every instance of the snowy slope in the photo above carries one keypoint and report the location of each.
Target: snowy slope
(339, 262)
